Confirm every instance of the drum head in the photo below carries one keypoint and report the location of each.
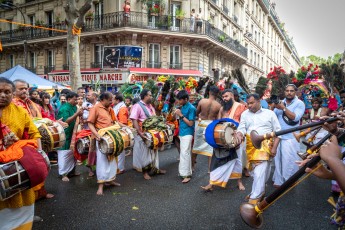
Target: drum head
(103, 145)
(229, 135)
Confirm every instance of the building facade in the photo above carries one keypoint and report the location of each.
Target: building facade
(217, 35)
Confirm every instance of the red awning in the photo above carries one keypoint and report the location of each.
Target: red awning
(90, 70)
(177, 72)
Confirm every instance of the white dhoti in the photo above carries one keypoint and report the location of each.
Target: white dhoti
(105, 169)
(285, 160)
(143, 157)
(200, 145)
(121, 161)
(224, 169)
(17, 218)
(260, 174)
(66, 162)
(185, 165)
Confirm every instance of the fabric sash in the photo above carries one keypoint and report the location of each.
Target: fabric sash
(262, 154)
(147, 114)
(209, 136)
(233, 109)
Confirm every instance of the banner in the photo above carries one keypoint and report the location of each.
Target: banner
(92, 78)
(122, 56)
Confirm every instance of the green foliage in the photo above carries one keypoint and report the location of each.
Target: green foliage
(151, 85)
(261, 86)
(316, 60)
(221, 38)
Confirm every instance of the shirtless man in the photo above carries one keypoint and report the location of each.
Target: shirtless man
(207, 111)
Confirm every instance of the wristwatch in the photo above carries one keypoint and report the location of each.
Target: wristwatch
(181, 117)
(284, 109)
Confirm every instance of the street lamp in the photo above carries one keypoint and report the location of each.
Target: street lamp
(9, 5)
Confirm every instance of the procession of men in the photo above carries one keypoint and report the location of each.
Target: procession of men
(101, 111)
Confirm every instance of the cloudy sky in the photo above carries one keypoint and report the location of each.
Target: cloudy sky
(317, 26)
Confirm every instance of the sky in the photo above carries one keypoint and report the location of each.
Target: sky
(317, 26)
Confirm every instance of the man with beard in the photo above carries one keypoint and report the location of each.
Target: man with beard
(206, 112)
(228, 168)
(144, 159)
(262, 121)
(289, 113)
(91, 100)
(103, 116)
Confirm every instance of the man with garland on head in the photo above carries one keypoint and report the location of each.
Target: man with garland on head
(289, 112)
(144, 159)
(206, 112)
(230, 167)
(103, 116)
(16, 212)
(258, 160)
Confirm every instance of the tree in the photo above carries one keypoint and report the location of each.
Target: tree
(75, 19)
(316, 60)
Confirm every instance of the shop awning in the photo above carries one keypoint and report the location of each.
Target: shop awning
(175, 72)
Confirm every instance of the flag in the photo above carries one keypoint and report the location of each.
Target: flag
(0, 46)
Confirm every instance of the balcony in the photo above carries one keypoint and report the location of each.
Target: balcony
(48, 68)
(137, 20)
(215, 1)
(96, 65)
(65, 67)
(154, 65)
(32, 69)
(175, 65)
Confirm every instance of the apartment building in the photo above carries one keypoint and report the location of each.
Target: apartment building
(158, 37)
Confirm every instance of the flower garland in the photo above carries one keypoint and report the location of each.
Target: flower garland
(308, 72)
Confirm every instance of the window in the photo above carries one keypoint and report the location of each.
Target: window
(254, 58)
(50, 21)
(98, 56)
(174, 7)
(33, 60)
(98, 14)
(50, 58)
(12, 62)
(154, 55)
(175, 53)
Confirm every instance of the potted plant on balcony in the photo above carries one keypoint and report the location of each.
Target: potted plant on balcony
(89, 15)
(180, 14)
(39, 22)
(154, 9)
(58, 19)
(221, 38)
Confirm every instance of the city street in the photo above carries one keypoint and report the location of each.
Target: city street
(166, 203)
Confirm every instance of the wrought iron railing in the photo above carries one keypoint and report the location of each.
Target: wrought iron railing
(175, 65)
(48, 69)
(65, 67)
(136, 20)
(154, 65)
(96, 64)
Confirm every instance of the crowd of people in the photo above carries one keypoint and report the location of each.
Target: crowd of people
(85, 113)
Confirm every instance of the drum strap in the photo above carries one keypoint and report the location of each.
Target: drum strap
(147, 114)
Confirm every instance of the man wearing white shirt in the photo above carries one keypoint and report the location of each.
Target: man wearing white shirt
(289, 113)
(258, 160)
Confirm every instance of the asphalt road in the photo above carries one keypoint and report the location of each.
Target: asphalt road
(165, 203)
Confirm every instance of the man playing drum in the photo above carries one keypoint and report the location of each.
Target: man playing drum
(17, 211)
(207, 111)
(68, 113)
(144, 159)
(258, 160)
(121, 112)
(102, 116)
(223, 170)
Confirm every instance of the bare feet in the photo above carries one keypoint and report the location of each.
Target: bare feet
(91, 174)
(162, 171)
(120, 172)
(207, 188)
(113, 183)
(128, 153)
(65, 179)
(100, 190)
(49, 195)
(146, 176)
(246, 172)
(186, 180)
(240, 185)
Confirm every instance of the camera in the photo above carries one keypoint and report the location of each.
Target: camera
(275, 99)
